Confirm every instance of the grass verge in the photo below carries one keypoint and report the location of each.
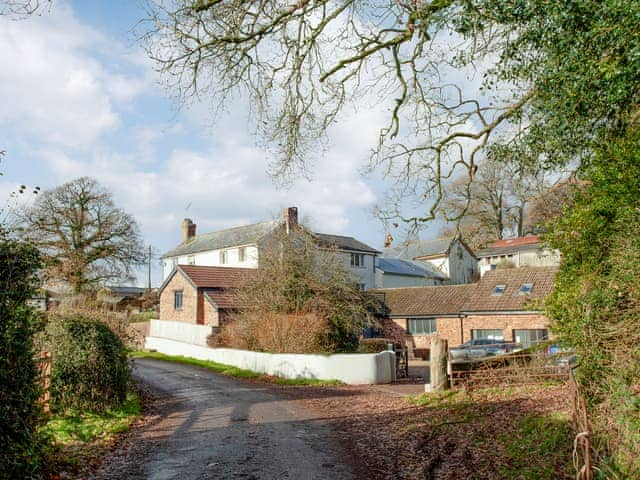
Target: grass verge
(80, 438)
(232, 371)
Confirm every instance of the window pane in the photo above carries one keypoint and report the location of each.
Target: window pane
(487, 334)
(421, 326)
(498, 289)
(177, 300)
(530, 337)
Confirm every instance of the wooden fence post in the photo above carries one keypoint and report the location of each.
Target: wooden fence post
(438, 365)
(45, 380)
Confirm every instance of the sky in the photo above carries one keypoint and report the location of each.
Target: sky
(78, 96)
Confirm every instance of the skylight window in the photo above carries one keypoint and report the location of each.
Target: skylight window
(525, 288)
(498, 289)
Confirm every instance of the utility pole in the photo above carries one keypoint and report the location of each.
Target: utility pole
(149, 264)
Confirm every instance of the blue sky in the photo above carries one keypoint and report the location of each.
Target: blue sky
(78, 96)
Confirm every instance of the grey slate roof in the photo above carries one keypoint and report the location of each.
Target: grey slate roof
(423, 248)
(245, 235)
(409, 268)
(508, 250)
(344, 243)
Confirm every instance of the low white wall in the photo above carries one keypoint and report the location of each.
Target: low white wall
(354, 369)
(181, 332)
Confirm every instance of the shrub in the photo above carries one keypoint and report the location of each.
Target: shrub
(20, 411)
(374, 345)
(277, 333)
(90, 370)
(118, 322)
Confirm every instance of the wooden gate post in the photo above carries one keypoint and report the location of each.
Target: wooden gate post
(438, 366)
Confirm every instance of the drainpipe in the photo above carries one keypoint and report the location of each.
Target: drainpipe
(461, 316)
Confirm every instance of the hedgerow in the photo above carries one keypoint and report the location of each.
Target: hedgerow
(21, 446)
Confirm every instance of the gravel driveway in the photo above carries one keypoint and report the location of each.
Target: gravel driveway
(206, 425)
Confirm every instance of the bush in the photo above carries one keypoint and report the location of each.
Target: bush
(89, 370)
(276, 333)
(375, 345)
(20, 410)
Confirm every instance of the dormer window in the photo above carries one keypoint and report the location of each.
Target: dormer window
(242, 254)
(525, 288)
(498, 290)
(224, 257)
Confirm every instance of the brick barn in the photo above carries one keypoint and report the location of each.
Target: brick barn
(502, 305)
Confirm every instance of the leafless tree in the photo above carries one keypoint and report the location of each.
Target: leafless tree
(498, 202)
(301, 63)
(22, 8)
(85, 239)
(301, 298)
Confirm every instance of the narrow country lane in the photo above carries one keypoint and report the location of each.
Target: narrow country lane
(212, 427)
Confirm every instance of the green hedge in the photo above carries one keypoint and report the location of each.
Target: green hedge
(20, 411)
(90, 370)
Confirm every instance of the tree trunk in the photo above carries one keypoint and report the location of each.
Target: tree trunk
(439, 354)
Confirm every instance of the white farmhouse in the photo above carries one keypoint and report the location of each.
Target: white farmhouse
(239, 247)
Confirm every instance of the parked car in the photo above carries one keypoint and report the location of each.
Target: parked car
(561, 356)
(480, 348)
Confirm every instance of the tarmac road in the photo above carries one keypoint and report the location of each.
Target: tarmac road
(207, 426)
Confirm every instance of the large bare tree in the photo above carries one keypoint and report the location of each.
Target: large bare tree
(499, 202)
(85, 239)
(302, 63)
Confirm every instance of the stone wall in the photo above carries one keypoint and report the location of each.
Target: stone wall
(189, 311)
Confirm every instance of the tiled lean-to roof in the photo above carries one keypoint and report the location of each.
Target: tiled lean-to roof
(511, 299)
(425, 301)
(470, 298)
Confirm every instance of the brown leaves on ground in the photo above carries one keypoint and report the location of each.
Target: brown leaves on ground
(481, 434)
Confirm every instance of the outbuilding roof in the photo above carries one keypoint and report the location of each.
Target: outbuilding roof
(210, 277)
(425, 301)
(222, 298)
(477, 297)
(513, 297)
(409, 268)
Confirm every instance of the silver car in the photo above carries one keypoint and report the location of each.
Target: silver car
(480, 348)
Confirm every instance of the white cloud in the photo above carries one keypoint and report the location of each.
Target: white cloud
(54, 87)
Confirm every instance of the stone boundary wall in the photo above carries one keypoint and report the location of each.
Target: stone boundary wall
(353, 369)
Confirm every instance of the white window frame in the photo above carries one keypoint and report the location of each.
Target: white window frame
(242, 254)
(224, 257)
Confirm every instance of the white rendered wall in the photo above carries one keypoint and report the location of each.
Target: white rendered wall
(211, 258)
(365, 274)
(353, 369)
(183, 332)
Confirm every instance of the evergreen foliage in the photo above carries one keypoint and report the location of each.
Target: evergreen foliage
(20, 410)
(90, 370)
(596, 303)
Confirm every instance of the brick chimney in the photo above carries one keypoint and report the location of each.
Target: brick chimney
(290, 218)
(188, 230)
